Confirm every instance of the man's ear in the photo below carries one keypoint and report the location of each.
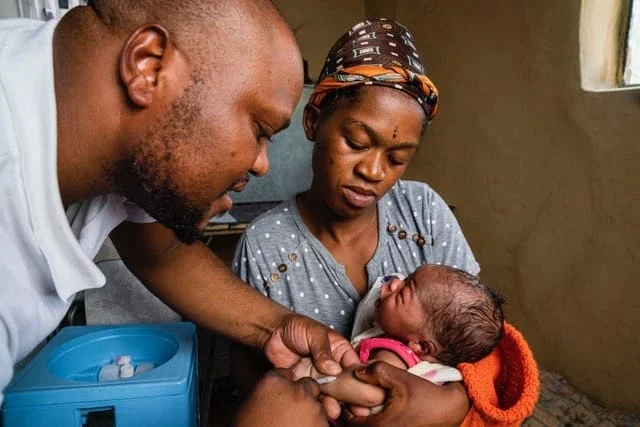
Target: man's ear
(141, 61)
(423, 347)
(310, 118)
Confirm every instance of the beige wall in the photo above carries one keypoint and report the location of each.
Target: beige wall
(545, 177)
(318, 24)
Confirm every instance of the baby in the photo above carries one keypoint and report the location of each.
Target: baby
(428, 323)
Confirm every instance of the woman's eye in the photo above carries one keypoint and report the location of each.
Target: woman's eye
(354, 145)
(396, 162)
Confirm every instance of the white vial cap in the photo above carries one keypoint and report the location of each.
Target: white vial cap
(144, 367)
(126, 371)
(109, 372)
(124, 359)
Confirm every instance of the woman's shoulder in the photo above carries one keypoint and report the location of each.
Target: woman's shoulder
(413, 202)
(276, 220)
(412, 186)
(411, 193)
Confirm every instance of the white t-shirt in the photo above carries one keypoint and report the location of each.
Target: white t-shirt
(45, 253)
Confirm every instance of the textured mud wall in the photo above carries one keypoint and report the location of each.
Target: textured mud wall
(545, 177)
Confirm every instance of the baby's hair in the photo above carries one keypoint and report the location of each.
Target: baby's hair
(467, 321)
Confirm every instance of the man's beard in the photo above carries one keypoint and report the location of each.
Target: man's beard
(159, 199)
(145, 176)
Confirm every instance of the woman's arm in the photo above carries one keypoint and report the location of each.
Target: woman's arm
(411, 400)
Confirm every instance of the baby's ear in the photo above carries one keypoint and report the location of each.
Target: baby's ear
(423, 347)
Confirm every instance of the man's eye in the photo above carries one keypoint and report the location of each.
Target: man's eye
(265, 136)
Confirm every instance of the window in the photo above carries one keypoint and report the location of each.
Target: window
(610, 45)
(631, 69)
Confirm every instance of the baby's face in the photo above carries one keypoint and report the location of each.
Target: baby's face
(399, 311)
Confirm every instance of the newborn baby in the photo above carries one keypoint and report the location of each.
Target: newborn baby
(428, 323)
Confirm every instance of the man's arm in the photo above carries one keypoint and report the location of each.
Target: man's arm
(192, 280)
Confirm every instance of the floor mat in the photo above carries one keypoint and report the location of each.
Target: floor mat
(562, 405)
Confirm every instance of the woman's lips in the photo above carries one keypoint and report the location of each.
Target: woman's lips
(359, 197)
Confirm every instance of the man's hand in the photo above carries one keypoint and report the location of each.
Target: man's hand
(297, 336)
(412, 400)
(277, 400)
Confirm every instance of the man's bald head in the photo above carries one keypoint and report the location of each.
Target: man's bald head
(199, 27)
(200, 87)
(182, 15)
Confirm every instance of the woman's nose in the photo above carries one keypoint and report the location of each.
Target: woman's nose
(371, 166)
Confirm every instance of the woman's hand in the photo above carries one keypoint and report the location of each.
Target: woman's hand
(277, 400)
(412, 400)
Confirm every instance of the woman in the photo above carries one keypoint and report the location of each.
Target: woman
(319, 252)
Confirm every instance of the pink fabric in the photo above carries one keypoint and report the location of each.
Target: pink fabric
(405, 353)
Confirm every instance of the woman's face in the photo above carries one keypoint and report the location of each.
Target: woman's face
(363, 147)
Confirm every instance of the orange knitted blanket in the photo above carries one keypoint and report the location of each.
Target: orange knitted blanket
(503, 387)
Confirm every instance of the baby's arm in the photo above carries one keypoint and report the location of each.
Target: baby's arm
(346, 388)
(389, 357)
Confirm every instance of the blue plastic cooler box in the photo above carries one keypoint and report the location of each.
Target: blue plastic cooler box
(60, 387)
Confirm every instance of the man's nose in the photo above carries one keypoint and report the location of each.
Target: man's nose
(261, 165)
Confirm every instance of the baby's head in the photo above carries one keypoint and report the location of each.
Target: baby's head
(443, 314)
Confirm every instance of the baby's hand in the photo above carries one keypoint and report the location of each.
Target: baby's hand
(346, 388)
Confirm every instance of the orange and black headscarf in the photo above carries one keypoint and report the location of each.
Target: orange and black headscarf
(377, 52)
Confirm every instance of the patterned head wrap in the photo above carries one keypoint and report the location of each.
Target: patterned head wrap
(377, 52)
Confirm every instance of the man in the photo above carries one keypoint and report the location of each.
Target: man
(135, 119)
